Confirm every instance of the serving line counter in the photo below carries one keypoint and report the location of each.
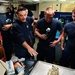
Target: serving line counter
(41, 68)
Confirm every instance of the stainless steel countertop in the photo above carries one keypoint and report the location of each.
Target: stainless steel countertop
(42, 68)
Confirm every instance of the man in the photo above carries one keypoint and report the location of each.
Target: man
(21, 34)
(9, 13)
(68, 52)
(47, 42)
(30, 13)
(5, 32)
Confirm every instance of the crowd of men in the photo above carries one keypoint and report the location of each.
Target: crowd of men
(17, 35)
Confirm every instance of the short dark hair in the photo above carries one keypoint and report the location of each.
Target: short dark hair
(15, 7)
(8, 8)
(20, 9)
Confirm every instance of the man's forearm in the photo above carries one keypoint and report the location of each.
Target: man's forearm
(62, 41)
(37, 33)
(30, 50)
(25, 45)
(59, 39)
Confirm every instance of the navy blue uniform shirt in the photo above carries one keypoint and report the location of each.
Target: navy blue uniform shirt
(30, 21)
(69, 29)
(10, 14)
(2, 20)
(21, 33)
(5, 34)
(54, 25)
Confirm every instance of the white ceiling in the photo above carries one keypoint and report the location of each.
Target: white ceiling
(32, 1)
(43, 0)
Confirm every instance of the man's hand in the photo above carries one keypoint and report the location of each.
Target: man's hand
(62, 48)
(30, 49)
(32, 52)
(43, 36)
(53, 44)
(6, 27)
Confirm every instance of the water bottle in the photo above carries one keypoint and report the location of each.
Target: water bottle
(10, 69)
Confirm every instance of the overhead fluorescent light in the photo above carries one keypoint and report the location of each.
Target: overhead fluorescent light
(3, 1)
(62, 0)
(36, 0)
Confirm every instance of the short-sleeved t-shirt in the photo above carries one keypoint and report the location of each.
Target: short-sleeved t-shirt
(69, 29)
(54, 25)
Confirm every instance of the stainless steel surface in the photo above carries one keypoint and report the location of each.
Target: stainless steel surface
(42, 68)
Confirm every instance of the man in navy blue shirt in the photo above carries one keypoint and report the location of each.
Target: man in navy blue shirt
(9, 13)
(68, 52)
(21, 34)
(46, 29)
(6, 36)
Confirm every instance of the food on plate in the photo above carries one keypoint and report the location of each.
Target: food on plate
(53, 71)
